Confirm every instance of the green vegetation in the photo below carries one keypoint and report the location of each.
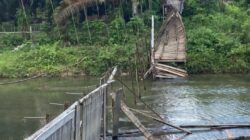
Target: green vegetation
(55, 60)
(218, 34)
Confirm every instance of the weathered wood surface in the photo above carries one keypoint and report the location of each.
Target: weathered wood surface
(177, 4)
(148, 72)
(237, 138)
(167, 70)
(173, 68)
(78, 122)
(218, 126)
(171, 40)
(116, 110)
(166, 76)
(60, 127)
(92, 108)
(136, 122)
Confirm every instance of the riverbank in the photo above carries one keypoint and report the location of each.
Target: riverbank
(218, 41)
(62, 61)
(58, 61)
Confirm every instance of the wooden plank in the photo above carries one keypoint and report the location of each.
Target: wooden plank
(116, 107)
(215, 125)
(169, 74)
(170, 71)
(148, 72)
(162, 75)
(104, 113)
(174, 68)
(165, 77)
(165, 43)
(171, 56)
(53, 126)
(152, 40)
(111, 77)
(77, 122)
(170, 48)
(174, 59)
(136, 122)
(170, 60)
(237, 138)
(172, 51)
(173, 72)
(161, 121)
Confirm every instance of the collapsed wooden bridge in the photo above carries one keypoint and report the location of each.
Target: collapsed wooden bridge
(86, 119)
(170, 44)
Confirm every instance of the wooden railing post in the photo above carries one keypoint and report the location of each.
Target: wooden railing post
(104, 111)
(116, 109)
(78, 122)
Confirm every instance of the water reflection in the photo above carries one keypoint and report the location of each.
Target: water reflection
(31, 99)
(201, 99)
(210, 99)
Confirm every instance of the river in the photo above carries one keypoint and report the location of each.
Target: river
(200, 99)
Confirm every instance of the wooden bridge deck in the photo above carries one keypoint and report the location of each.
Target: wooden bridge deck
(170, 44)
(171, 40)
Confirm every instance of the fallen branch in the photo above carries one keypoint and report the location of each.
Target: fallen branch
(163, 122)
(237, 138)
(136, 122)
(23, 80)
(219, 126)
(148, 72)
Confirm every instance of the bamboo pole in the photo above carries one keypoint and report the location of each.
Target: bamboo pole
(136, 122)
(150, 5)
(237, 138)
(146, 105)
(136, 73)
(217, 126)
(86, 18)
(161, 121)
(56, 104)
(152, 41)
(152, 45)
(53, 10)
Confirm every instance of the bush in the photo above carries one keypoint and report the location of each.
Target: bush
(217, 42)
(10, 41)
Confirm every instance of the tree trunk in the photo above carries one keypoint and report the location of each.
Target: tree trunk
(135, 4)
(150, 5)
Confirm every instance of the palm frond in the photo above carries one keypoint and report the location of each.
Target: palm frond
(70, 7)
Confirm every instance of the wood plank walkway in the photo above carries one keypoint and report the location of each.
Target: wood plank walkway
(170, 44)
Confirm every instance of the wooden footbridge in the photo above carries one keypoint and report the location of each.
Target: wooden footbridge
(170, 44)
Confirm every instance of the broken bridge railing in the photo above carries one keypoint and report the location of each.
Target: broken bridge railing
(83, 120)
(86, 119)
